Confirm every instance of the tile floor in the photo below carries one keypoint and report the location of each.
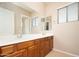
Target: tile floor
(57, 54)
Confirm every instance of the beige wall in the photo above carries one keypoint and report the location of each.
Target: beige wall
(66, 34)
(67, 37)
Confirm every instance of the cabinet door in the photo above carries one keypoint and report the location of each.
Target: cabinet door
(31, 51)
(42, 43)
(44, 47)
(37, 48)
(42, 53)
(51, 43)
(47, 46)
(47, 43)
(46, 51)
(37, 51)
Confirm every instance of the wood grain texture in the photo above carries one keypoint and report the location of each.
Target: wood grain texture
(7, 50)
(33, 48)
(24, 44)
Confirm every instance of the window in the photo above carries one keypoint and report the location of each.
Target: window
(62, 15)
(73, 12)
(35, 21)
(68, 13)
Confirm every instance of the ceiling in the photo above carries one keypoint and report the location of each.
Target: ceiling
(22, 5)
(25, 6)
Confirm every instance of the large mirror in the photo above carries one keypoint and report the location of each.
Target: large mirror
(6, 22)
(18, 21)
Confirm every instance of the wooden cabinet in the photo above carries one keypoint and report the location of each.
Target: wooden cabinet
(33, 51)
(42, 52)
(34, 48)
(42, 47)
(7, 50)
(20, 53)
(37, 48)
(25, 44)
(30, 52)
(37, 54)
(45, 47)
(51, 42)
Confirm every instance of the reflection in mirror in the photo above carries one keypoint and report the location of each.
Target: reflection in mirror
(6, 22)
(47, 23)
(25, 24)
(47, 26)
(35, 21)
(35, 25)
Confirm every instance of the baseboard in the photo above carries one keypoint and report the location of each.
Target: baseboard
(73, 55)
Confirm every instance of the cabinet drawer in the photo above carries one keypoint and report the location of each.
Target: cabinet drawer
(47, 43)
(24, 45)
(20, 53)
(7, 50)
(42, 53)
(42, 42)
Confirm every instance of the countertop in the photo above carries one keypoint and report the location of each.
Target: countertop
(6, 40)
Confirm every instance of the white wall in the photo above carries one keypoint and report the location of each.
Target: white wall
(66, 34)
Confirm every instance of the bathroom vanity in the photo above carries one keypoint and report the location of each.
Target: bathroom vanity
(38, 47)
(21, 34)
